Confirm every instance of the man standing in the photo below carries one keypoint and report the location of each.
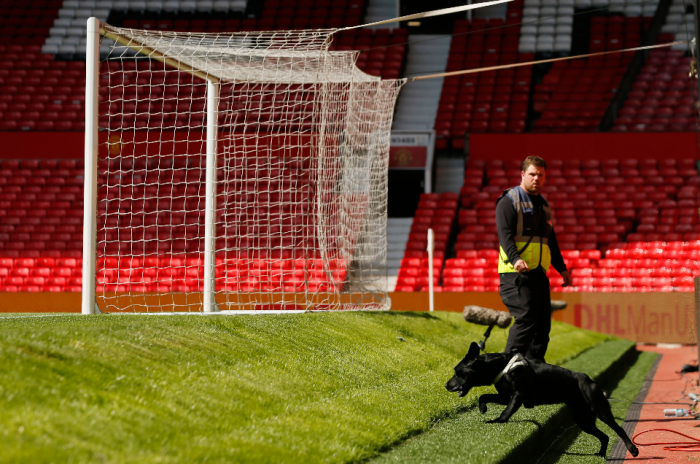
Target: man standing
(528, 247)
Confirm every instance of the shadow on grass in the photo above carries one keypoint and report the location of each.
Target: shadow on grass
(530, 421)
(422, 315)
(559, 446)
(415, 433)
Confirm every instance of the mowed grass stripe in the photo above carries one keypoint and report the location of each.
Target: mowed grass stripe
(466, 438)
(333, 387)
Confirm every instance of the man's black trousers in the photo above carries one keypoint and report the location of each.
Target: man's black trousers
(527, 298)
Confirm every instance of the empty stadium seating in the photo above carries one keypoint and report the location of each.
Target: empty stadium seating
(167, 273)
(27, 22)
(662, 97)
(42, 214)
(574, 95)
(650, 206)
(634, 267)
(492, 101)
(386, 50)
(437, 212)
(612, 207)
(67, 36)
(679, 25)
(548, 24)
(276, 15)
(40, 92)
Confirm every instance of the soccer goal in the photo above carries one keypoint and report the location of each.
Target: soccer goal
(233, 171)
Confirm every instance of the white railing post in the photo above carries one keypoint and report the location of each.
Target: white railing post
(431, 247)
(92, 76)
(209, 297)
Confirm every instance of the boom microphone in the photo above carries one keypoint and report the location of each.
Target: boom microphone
(491, 318)
(486, 316)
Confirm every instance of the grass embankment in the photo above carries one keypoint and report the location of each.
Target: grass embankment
(332, 387)
(467, 438)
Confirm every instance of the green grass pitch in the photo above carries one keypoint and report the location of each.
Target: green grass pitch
(325, 387)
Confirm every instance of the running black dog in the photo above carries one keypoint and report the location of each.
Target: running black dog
(521, 381)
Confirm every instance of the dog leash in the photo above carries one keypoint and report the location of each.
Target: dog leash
(515, 361)
(687, 446)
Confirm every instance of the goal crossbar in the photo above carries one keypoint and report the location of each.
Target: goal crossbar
(152, 53)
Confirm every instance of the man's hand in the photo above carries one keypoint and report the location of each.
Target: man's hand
(521, 266)
(567, 278)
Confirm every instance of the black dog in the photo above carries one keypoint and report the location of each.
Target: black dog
(521, 381)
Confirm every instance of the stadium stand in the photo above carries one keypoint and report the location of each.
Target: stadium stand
(40, 93)
(26, 23)
(547, 27)
(67, 36)
(42, 85)
(642, 206)
(436, 211)
(548, 24)
(386, 50)
(661, 98)
(41, 201)
(493, 101)
(574, 95)
(679, 24)
(654, 204)
(36, 91)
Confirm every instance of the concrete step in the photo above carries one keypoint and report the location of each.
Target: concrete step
(416, 108)
(449, 175)
(380, 10)
(397, 236)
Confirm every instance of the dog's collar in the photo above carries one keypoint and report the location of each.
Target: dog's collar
(515, 361)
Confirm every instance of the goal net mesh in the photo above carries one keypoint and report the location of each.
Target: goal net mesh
(303, 143)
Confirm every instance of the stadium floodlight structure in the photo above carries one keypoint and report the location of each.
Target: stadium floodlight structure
(233, 171)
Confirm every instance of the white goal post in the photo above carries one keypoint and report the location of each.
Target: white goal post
(233, 171)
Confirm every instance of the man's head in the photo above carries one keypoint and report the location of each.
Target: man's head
(533, 174)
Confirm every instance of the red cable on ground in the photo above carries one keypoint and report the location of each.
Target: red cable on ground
(687, 446)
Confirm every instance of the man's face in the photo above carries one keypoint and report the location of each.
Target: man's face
(532, 179)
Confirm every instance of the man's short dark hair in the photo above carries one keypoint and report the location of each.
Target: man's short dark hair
(533, 160)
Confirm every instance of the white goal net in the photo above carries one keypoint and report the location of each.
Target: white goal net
(246, 169)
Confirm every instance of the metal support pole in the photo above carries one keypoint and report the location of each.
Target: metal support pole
(92, 76)
(209, 297)
(431, 247)
(429, 164)
(696, 282)
(696, 42)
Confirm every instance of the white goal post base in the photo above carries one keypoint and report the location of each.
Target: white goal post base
(241, 312)
(222, 313)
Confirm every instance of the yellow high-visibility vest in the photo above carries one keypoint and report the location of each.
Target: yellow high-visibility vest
(536, 252)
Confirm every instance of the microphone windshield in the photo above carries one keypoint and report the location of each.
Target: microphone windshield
(486, 316)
